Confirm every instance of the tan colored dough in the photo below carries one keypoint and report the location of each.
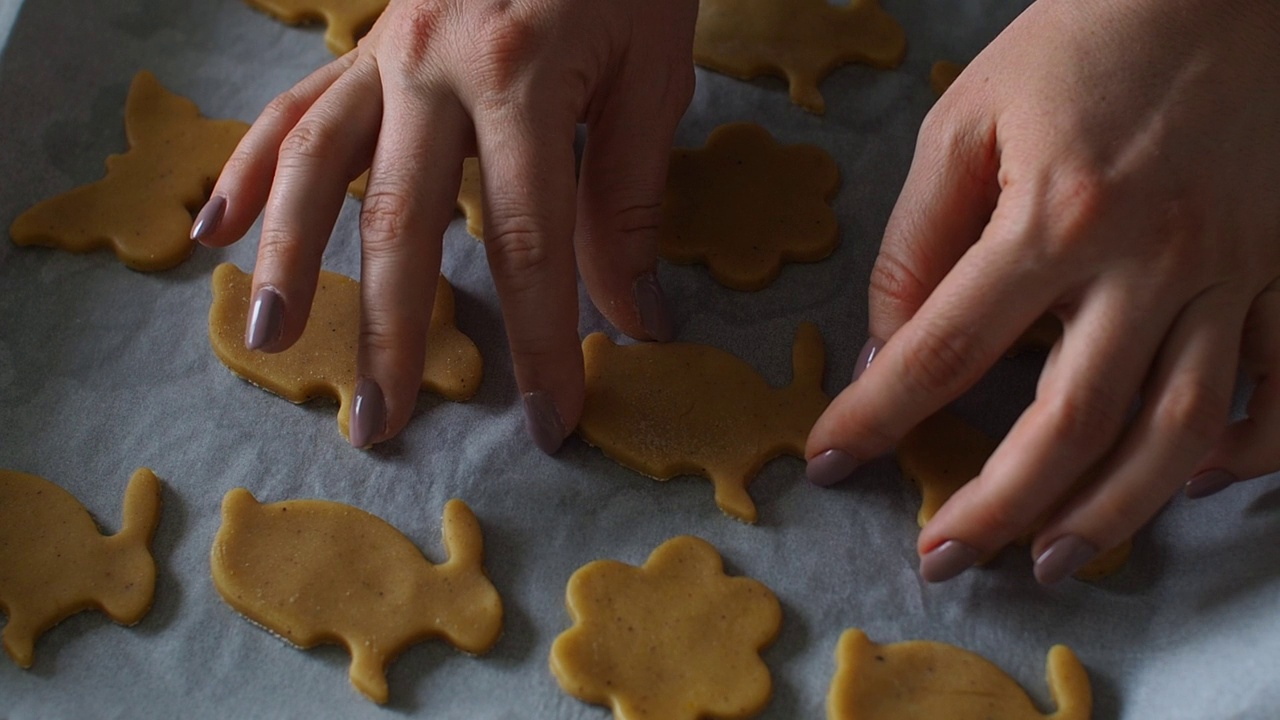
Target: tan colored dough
(922, 680)
(942, 74)
(54, 563)
(322, 363)
(1043, 334)
(667, 409)
(674, 639)
(314, 571)
(745, 204)
(470, 196)
(799, 40)
(346, 20)
(142, 209)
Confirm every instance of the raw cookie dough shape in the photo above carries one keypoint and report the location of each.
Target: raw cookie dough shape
(745, 204)
(943, 453)
(800, 40)
(942, 74)
(922, 680)
(142, 209)
(323, 361)
(674, 639)
(667, 409)
(470, 196)
(54, 563)
(314, 571)
(345, 19)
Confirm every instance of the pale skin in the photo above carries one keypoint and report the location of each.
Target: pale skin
(1138, 206)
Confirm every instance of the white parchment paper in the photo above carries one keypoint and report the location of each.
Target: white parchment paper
(103, 370)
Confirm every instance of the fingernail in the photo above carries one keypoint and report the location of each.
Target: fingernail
(368, 413)
(209, 217)
(543, 421)
(651, 305)
(869, 351)
(266, 319)
(1209, 482)
(830, 467)
(947, 561)
(1066, 555)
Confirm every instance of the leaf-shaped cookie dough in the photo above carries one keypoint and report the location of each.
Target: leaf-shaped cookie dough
(345, 20)
(142, 208)
(323, 361)
(745, 204)
(674, 639)
(800, 40)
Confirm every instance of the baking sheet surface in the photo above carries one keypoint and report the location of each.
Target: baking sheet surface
(103, 370)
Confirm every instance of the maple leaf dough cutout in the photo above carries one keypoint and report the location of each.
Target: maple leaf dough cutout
(470, 196)
(923, 680)
(142, 209)
(323, 360)
(943, 453)
(674, 639)
(799, 40)
(345, 20)
(745, 204)
(667, 409)
(54, 563)
(315, 571)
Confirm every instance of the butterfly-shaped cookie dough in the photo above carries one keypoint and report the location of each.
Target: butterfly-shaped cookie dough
(345, 20)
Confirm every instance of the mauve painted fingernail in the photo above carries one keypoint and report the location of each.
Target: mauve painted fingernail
(830, 467)
(209, 218)
(266, 319)
(869, 351)
(1066, 555)
(543, 421)
(947, 561)
(651, 305)
(1209, 482)
(368, 413)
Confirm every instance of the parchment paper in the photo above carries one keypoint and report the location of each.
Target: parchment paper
(103, 370)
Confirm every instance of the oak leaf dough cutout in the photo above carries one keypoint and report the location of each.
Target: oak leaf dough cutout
(744, 204)
(801, 41)
(922, 680)
(943, 453)
(674, 639)
(54, 563)
(323, 360)
(142, 209)
(667, 409)
(314, 571)
(345, 20)
(470, 195)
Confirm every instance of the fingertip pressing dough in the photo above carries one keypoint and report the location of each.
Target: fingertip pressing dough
(345, 20)
(922, 680)
(54, 563)
(799, 40)
(744, 204)
(674, 639)
(667, 409)
(470, 196)
(323, 361)
(314, 571)
(142, 208)
(942, 74)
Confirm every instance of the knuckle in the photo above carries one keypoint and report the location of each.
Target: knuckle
(305, 143)
(382, 220)
(1088, 419)
(277, 248)
(1190, 408)
(1076, 201)
(286, 107)
(1000, 520)
(893, 279)
(510, 42)
(941, 360)
(515, 247)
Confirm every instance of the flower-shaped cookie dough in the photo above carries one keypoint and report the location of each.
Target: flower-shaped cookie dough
(674, 639)
(744, 204)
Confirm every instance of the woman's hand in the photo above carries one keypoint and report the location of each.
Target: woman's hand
(433, 82)
(1116, 163)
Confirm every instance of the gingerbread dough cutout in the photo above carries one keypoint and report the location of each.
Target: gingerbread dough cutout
(745, 204)
(674, 639)
(470, 196)
(345, 20)
(799, 40)
(667, 409)
(922, 680)
(323, 361)
(943, 453)
(54, 563)
(142, 209)
(942, 74)
(314, 571)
